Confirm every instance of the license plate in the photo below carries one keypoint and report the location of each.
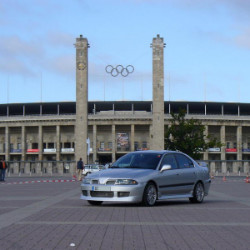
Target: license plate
(101, 188)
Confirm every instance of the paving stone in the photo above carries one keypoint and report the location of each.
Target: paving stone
(51, 216)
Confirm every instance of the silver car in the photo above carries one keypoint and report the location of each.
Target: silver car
(148, 176)
(92, 168)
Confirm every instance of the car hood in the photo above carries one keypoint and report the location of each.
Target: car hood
(128, 173)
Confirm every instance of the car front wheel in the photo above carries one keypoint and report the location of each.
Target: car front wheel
(198, 193)
(149, 195)
(95, 203)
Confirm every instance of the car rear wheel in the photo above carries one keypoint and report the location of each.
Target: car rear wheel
(149, 195)
(198, 193)
(95, 203)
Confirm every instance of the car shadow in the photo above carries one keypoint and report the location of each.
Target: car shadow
(163, 203)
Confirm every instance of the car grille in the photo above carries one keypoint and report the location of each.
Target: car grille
(101, 194)
(110, 183)
(84, 193)
(123, 194)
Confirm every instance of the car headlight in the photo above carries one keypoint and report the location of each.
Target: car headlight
(125, 182)
(86, 181)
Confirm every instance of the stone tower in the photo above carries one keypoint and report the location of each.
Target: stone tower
(81, 127)
(157, 130)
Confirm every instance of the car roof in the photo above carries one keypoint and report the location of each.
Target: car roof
(154, 151)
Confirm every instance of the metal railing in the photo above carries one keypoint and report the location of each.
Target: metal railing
(36, 168)
(227, 167)
(59, 168)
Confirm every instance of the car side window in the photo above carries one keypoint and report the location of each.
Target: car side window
(169, 159)
(183, 161)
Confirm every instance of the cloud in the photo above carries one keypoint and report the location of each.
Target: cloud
(62, 39)
(17, 55)
(15, 66)
(62, 65)
(243, 39)
(240, 37)
(15, 46)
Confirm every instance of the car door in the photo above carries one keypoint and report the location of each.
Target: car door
(187, 175)
(169, 180)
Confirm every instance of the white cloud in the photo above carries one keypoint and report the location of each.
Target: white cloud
(61, 65)
(62, 39)
(243, 39)
(15, 46)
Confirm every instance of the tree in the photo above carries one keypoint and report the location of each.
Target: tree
(188, 136)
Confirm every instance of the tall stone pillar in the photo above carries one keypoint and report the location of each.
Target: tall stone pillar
(81, 128)
(157, 135)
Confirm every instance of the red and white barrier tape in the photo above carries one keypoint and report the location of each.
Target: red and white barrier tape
(42, 181)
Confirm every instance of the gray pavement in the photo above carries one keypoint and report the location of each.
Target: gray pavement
(50, 215)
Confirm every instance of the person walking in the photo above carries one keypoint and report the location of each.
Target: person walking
(80, 167)
(3, 167)
(1, 170)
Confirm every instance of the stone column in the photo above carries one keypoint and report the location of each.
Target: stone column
(150, 136)
(212, 167)
(223, 148)
(38, 167)
(223, 141)
(23, 143)
(246, 167)
(60, 168)
(40, 142)
(239, 143)
(239, 149)
(205, 155)
(7, 144)
(157, 135)
(94, 143)
(132, 139)
(81, 128)
(113, 143)
(58, 133)
(27, 168)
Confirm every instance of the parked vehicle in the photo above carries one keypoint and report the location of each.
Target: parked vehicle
(92, 168)
(148, 176)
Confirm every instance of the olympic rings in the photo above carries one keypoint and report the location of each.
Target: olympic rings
(119, 69)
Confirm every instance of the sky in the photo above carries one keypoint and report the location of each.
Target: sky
(206, 57)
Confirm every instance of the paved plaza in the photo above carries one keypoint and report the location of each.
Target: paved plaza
(46, 213)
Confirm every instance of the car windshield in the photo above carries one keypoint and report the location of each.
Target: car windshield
(138, 160)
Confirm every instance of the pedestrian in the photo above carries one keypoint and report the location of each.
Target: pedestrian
(3, 167)
(80, 167)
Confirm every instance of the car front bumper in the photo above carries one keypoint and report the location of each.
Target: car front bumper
(117, 193)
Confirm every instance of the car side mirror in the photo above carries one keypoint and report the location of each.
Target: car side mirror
(165, 167)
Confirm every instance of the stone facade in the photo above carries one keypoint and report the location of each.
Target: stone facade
(50, 137)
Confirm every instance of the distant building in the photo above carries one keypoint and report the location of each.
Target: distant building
(58, 131)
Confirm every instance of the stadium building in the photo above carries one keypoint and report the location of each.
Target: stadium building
(48, 138)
